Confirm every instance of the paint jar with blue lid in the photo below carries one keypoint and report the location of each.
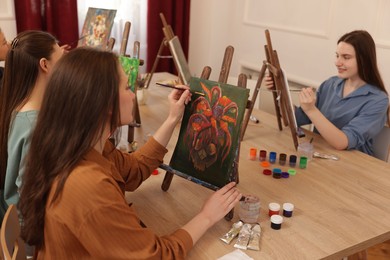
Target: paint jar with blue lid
(272, 157)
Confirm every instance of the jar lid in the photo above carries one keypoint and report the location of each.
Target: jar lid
(274, 206)
(265, 164)
(288, 206)
(267, 172)
(276, 219)
(292, 171)
(277, 170)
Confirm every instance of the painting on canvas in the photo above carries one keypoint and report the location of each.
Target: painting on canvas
(97, 27)
(209, 138)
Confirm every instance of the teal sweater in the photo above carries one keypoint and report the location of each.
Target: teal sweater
(18, 145)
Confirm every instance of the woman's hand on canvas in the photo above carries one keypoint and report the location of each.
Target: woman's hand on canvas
(307, 99)
(214, 209)
(177, 100)
(221, 202)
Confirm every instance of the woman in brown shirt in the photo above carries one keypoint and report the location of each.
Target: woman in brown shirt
(72, 198)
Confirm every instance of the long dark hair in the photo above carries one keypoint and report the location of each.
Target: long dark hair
(364, 46)
(81, 96)
(20, 74)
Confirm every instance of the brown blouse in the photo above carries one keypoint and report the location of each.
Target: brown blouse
(91, 218)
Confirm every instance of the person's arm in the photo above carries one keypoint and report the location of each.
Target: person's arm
(334, 136)
(215, 208)
(177, 99)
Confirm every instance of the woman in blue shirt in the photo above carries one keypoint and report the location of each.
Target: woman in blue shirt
(349, 109)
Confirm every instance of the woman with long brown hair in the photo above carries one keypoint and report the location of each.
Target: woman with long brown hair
(351, 108)
(72, 198)
(27, 68)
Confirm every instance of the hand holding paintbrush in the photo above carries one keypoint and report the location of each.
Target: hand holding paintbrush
(174, 87)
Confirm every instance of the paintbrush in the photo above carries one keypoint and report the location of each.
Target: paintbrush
(76, 41)
(174, 87)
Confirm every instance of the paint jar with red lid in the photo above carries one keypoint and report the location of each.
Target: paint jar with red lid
(273, 209)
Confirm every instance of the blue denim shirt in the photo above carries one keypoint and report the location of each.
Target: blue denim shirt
(360, 115)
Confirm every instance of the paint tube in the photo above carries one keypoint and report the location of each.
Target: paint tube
(243, 237)
(232, 233)
(254, 241)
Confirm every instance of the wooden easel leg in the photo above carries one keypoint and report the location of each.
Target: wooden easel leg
(167, 181)
(130, 134)
(155, 62)
(253, 100)
(137, 116)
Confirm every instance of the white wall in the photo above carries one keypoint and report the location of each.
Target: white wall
(304, 32)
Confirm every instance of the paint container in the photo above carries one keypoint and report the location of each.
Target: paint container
(263, 155)
(267, 172)
(272, 157)
(276, 222)
(288, 209)
(293, 160)
(249, 209)
(292, 172)
(277, 173)
(252, 154)
(306, 149)
(265, 164)
(273, 209)
(282, 158)
(303, 162)
(285, 175)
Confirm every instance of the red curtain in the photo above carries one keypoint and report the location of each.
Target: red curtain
(57, 17)
(177, 14)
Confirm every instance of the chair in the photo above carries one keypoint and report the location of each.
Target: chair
(381, 145)
(12, 244)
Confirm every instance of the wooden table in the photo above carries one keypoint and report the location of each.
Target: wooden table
(341, 207)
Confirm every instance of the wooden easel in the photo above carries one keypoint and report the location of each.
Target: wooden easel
(223, 77)
(122, 52)
(168, 36)
(283, 107)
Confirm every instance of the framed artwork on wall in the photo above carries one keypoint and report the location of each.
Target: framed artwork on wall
(97, 27)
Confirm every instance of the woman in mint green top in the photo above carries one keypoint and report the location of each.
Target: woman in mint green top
(27, 67)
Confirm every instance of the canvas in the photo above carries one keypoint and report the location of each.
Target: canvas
(97, 27)
(130, 66)
(209, 138)
(180, 60)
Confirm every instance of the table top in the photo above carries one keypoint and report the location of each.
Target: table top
(341, 207)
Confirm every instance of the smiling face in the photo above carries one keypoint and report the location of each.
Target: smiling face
(346, 63)
(126, 99)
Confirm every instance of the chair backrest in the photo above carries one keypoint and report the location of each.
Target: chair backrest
(381, 145)
(12, 244)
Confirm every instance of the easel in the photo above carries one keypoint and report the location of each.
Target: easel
(168, 36)
(283, 107)
(122, 52)
(223, 77)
